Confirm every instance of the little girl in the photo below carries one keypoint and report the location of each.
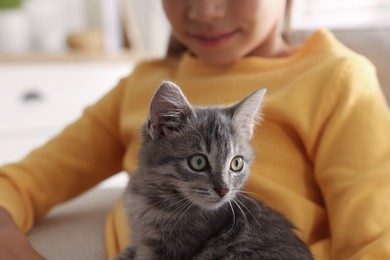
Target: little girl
(323, 150)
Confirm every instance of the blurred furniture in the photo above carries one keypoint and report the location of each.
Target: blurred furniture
(75, 230)
(39, 98)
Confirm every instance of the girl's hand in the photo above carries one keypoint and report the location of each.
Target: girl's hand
(13, 243)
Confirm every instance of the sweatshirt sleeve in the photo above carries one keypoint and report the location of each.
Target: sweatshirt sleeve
(352, 164)
(83, 154)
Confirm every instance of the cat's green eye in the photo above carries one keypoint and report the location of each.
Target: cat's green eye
(237, 164)
(197, 162)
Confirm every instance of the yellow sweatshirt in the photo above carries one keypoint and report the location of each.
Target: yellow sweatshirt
(323, 150)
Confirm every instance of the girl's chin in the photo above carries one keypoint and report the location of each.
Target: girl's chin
(223, 58)
(219, 61)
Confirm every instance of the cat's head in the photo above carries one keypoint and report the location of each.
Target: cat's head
(203, 153)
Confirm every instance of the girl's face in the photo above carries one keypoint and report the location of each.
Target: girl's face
(224, 31)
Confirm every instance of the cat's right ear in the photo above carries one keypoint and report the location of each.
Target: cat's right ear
(169, 110)
(248, 112)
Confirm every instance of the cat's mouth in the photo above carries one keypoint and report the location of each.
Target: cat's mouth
(209, 199)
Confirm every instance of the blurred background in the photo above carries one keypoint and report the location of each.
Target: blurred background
(112, 26)
(59, 56)
(57, 26)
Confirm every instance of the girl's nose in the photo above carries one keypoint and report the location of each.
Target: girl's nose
(206, 10)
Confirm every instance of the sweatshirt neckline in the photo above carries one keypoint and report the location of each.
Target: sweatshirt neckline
(319, 40)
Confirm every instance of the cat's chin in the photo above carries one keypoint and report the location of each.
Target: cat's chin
(212, 204)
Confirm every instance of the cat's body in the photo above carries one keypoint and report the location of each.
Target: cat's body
(184, 201)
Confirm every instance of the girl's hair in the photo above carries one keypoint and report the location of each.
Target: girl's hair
(176, 49)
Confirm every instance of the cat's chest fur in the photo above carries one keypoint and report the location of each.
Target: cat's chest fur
(171, 226)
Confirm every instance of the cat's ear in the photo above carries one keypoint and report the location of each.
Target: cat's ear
(247, 113)
(169, 110)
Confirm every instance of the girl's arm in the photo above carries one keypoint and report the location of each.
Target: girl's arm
(83, 154)
(14, 244)
(352, 164)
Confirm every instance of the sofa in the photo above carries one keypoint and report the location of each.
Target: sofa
(75, 230)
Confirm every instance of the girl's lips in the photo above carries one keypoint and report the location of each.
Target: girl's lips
(212, 39)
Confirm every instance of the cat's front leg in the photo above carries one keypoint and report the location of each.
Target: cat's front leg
(127, 254)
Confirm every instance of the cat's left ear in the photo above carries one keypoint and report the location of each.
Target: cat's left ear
(169, 110)
(247, 113)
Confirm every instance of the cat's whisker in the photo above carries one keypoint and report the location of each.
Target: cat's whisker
(246, 223)
(250, 212)
(178, 202)
(190, 206)
(170, 218)
(182, 208)
(178, 215)
(165, 200)
(254, 194)
(153, 185)
(253, 201)
(168, 201)
(249, 192)
(234, 217)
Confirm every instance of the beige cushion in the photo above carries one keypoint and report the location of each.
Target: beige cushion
(75, 230)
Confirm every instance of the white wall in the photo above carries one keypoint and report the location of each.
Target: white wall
(341, 13)
(150, 27)
(152, 24)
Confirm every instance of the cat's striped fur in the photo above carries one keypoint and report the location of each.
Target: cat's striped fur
(185, 207)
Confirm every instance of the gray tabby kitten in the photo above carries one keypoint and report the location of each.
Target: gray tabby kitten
(184, 201)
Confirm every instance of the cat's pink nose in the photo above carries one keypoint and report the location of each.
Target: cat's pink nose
(221, 191)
